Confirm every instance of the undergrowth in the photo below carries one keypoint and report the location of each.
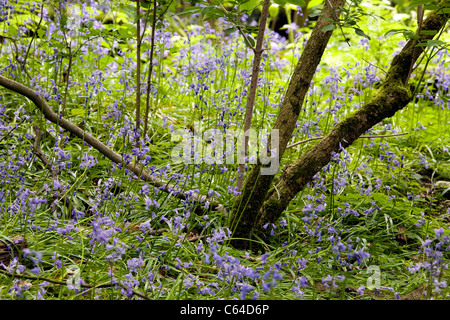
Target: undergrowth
(373, 224)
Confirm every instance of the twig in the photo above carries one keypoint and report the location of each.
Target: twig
(415, 53)
(340, 26)
(240, 30)
(23, 62)
(66, 77)
(138, 69)
(157, 19)
(385, 72)
(367, 137)
(34, 36)
(252, 92)
(386, 135)
(164, 11)
(150, 69)
(9, 132)
(304, 141)
(16, 56)
(38, 152)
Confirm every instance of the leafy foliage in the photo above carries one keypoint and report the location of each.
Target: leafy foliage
(96, 231)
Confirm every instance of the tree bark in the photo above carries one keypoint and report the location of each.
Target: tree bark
(393, 95)
(256, 186)
(252, 92)
(138, 70)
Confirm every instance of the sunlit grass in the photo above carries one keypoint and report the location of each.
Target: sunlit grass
(374, 205)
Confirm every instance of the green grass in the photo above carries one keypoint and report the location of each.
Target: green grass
(129, 242)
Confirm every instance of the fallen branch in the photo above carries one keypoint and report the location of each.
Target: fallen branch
(82, 285)
(136, 168)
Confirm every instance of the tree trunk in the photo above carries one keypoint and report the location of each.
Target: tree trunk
(258, 50)
(266, 207)
(256, 186)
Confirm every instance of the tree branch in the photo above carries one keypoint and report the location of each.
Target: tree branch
(252, 92)
(393, 96)
(263, 203)
(150, 68)
(247, 205)
(368, 137)
(38, 152)
(136, 168)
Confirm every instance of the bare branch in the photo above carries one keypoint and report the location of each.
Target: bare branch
(136, 168)
(252, 92)
(38, 152)
(369, 137)
(82, 285)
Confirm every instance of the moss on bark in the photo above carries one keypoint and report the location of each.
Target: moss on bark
(246, 210)
(266, 206)
(393, 96)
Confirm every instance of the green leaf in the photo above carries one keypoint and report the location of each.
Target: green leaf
(300, 3)
(251, 40)
(361, 33)
(41, 33)
(230, 30)
(94, 32)
(393, 31)
(428, 32)
(12, 30)
(205, 10)
(78, 112)
(435, 43)
(314, 3)
(419, 2)
(127, 32)
(410, 35)
(328, 27)
(249, 5)
(173, 6)
(280, 2)
(274, 9)
(191, 10)
(63, 21)
(431, 7)
(407, 33)
(314, 14)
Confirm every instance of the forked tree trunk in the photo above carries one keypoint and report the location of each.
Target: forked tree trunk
(265, 204)
(256, 186)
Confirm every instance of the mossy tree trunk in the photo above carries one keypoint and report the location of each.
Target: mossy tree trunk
(256, 186)
(261, 202)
